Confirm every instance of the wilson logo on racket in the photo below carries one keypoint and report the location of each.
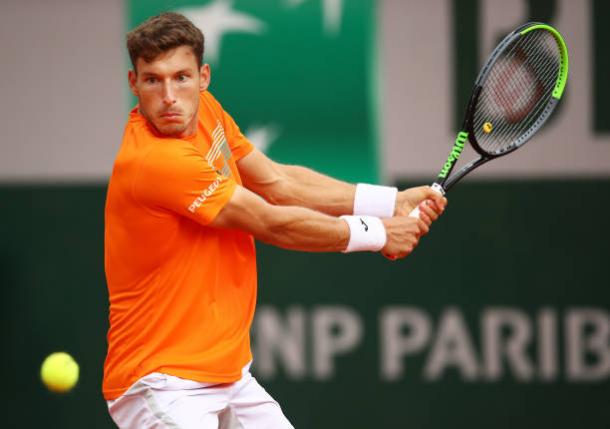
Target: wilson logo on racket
(458, 147)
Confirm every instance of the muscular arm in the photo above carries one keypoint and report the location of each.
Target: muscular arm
(299, 228)
(290, 227)
(290, 185)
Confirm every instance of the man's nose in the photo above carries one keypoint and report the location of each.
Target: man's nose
(169, 97)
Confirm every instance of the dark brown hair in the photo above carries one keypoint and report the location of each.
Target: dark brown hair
(162, 33)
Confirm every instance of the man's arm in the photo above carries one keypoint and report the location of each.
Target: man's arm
(290, 185)
(299, 228)
(300, 186)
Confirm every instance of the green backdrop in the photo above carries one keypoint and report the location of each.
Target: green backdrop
(522, 245)
(312, 87)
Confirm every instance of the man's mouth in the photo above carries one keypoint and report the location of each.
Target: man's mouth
(170, 115)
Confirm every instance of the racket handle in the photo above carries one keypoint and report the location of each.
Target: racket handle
(415, 213)
(436, 188)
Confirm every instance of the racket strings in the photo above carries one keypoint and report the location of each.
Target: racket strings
(508, 110)
(511, 133)
(518, 87)
(526, 107)
(546, 73)
(522, 109)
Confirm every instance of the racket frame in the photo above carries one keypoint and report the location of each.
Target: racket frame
(444, 180)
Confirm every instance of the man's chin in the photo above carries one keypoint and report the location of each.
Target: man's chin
(171, 130)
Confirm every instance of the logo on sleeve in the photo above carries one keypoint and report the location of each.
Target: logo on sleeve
(219, 150)
(366, 227)
(205, 195)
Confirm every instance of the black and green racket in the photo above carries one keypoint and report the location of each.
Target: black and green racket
(514, 95)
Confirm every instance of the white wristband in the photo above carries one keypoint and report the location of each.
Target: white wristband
(374, 200)
(366, 233)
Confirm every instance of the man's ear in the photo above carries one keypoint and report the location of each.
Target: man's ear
(206, 75)
(132, 77)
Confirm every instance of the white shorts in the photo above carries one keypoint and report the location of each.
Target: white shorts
(161, 401)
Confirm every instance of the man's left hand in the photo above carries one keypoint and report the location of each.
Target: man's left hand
(431, 204)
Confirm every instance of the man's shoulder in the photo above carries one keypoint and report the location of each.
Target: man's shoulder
(208, 100)
(143, 149)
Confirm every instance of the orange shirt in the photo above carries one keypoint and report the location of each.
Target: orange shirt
(182, 294)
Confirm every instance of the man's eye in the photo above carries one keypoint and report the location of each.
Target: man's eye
(151, 80)
(182, 78)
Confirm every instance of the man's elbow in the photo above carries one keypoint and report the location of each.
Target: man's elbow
(277, 193)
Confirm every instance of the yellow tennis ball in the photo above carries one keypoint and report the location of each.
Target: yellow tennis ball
(487, 127)
(59, 372)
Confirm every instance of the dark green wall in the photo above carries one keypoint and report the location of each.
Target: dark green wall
(524, 245)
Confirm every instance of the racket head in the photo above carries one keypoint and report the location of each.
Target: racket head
(517, 89)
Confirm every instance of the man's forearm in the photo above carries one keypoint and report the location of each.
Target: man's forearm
(290, 227)
(289, 185)
(301, 186)
(299, 228)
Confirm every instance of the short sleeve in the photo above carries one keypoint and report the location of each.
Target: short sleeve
(174, 176)
(239, 144)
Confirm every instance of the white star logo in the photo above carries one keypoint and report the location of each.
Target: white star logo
(217, 19)
(261, 136)
(332, 14)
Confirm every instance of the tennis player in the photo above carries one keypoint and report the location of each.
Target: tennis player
(187, 197)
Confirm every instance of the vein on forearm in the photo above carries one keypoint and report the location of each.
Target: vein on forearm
(299, 228)
(300, 186)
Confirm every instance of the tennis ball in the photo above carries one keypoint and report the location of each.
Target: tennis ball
(487, 127)
(59, 372)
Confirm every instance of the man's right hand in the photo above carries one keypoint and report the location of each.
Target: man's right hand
(403, 234)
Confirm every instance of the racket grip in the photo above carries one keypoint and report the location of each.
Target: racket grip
(436, 188)
(415, 213)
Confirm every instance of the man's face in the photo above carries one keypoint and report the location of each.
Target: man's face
(168, 90)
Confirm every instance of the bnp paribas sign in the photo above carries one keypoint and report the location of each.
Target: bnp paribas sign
(415, 344)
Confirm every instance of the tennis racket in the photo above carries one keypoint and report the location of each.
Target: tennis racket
(514, 95)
